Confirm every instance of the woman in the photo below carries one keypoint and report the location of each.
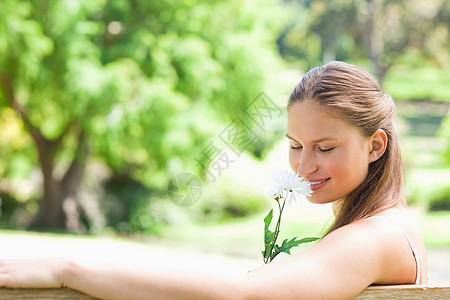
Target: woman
(343, 142)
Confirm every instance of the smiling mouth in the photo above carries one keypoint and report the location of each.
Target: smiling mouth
(318, 182)
(316, 185)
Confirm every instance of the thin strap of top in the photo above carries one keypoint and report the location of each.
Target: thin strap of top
(416, 256)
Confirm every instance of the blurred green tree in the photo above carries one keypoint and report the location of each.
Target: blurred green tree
(382, 31)
(138, 85)
(444, 134)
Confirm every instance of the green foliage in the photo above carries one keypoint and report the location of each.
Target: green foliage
(444, 133)
(14, 214)
(439, 199)
(145, 83)
(287, 245)
(268, 234)
(413, 198)
(386, 33)
(15, 146)
(225, 200)
(418, 83)
(432, 195)
(161, 68)
(131, 207)
(271, 250)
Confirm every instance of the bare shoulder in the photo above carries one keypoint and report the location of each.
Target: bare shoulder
(383, 245)
(364, 247)
(343, 263)
(346, 261)
(404, 245)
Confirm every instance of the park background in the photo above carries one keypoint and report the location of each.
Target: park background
(103, 103)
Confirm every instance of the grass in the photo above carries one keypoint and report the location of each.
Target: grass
(403, 82)
(436, 229)
(425, 169)
(244, 237)
(425, 165)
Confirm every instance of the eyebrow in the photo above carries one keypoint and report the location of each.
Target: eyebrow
(315, 141)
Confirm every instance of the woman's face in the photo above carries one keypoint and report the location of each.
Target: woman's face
(328, 152)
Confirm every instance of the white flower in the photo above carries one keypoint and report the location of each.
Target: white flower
(293, 184)
(276, 192)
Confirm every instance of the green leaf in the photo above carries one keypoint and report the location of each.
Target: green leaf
(268, 219)
(287, 245)
(277, 250)
(307, 240)
(268, 234)
(268, 237)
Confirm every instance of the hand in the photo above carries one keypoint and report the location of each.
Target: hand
(32, 273)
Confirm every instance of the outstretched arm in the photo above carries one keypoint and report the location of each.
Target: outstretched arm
(109, 281)
(114, 281)
(340, 266)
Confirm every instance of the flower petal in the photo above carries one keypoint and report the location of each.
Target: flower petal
(291, 182)
(289, 198)
(275, 192)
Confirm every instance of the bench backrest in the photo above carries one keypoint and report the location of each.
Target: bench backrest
(372, 292)
(405, 292)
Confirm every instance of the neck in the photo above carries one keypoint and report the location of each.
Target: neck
(336, 205)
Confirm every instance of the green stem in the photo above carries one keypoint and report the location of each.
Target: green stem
(277, 230)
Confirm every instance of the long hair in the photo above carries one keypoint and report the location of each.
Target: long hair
(353, 95)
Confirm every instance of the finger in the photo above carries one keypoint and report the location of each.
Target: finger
(4, 280)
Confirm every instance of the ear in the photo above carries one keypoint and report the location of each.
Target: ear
(378, 144)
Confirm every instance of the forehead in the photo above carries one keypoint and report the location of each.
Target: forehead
(309, 121)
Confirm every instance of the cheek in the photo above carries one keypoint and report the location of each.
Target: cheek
(293, 160)
(350, 171)
(343, 167)
(334, 167)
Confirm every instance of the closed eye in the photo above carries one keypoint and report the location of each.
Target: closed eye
(296, 148)
(326, 149)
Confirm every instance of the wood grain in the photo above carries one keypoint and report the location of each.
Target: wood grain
(372, 292)
(42, 294)
(405, 292)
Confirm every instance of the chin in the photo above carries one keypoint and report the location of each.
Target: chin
(314, 200)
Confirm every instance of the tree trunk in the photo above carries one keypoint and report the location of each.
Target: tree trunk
(50, 207)
(58, 208)
(374, 40)
(70, 185)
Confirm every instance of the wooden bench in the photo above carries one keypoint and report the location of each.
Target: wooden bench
(406, 292)
(372, 292)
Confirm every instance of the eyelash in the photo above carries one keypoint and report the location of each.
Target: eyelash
(321, 150)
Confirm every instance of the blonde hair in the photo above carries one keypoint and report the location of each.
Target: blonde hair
(353, 95)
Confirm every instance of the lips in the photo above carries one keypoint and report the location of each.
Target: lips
(317, 184)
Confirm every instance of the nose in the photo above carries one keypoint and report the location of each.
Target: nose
(307, 164)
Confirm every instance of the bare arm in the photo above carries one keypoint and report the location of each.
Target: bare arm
(108, 280)
(339, 267)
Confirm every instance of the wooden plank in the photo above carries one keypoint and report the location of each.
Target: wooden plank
(405, 292)
(372, 292)
(42, 294)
